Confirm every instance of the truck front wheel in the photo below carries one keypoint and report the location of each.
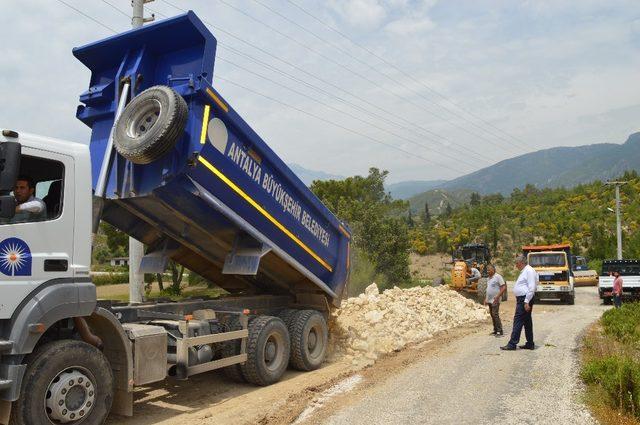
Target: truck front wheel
(65, 382)
(268, 349)
(309, 337)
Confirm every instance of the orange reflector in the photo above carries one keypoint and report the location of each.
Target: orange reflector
(188, 317)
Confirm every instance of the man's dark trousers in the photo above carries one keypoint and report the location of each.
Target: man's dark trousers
(522, 318)
(494, 310)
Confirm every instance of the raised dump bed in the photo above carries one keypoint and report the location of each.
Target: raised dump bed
(193, 181)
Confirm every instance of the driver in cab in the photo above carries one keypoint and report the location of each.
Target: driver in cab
(28, 207)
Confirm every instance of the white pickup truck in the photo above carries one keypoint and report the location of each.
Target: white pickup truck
(630, 272)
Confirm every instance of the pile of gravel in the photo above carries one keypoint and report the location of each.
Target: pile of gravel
(376, 323)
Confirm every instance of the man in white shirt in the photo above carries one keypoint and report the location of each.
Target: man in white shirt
(495, 288)
(28, 207)
(524, 290)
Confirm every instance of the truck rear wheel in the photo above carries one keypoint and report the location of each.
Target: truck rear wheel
(309, 338)
(482, 290)
(65, 382)
(232, 348)
(287, 315)
(268, 350)
(150, 125)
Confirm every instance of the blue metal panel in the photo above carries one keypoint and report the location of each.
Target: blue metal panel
(240, 171)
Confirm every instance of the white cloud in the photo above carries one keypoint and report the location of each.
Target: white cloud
(365, 14)
(410, 26)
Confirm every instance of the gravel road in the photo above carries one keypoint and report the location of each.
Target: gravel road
(471, 381)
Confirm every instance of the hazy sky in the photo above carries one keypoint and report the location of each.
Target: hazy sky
(434, 79)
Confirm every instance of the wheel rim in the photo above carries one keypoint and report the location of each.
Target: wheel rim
(274, 352)
(315, 343)
(70, 396)
(143, 119)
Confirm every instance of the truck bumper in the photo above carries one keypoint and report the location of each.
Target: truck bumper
(553, 295)
(626, 292)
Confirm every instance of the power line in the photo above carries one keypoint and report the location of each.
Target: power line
(430, 89)
(87, 16)
(322, 80)
(372, 68)
(353, 105)
(117, 9)
(410, 154)
(356, 73)
(374, 125)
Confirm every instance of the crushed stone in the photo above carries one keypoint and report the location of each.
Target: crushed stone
(375, 323)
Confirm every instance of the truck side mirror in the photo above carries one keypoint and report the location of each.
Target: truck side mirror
(7, 206)
(10, 153)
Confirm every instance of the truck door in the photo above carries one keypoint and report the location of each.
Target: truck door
(36, 246)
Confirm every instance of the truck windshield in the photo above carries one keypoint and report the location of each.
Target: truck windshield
(547, 260)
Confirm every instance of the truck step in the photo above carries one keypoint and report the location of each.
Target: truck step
(5, 346)
(5, 383)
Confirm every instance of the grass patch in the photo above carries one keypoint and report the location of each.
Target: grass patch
(611, 366)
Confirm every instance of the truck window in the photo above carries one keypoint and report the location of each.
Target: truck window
(547, 260)
(626, 269)
(38, 190)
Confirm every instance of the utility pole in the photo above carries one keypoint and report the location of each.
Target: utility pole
(617, 184)
(136, 248)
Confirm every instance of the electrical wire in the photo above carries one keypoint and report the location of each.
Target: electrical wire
(426, 86)
(362, 76)
(410, 154)
(87, 16)
(327, 82)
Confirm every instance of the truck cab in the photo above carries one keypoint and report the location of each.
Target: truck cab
(552, 263)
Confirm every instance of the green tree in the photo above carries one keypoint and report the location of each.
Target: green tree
(375, 218)
(426, 216)
(475, 199)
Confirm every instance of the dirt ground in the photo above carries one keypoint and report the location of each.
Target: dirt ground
(211, 398)
(338, 393)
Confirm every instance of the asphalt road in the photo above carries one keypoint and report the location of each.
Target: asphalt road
(471, 381)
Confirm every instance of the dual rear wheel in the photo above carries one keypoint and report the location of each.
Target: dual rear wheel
(297, 338)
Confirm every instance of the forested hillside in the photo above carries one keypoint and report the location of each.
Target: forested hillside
(578, 215)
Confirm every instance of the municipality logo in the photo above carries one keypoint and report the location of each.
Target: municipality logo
(15, 257)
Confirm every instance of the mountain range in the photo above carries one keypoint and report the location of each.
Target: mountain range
(554, 167)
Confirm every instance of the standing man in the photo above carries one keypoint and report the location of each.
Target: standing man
(617, 289)
(495, 288)
(524, 290)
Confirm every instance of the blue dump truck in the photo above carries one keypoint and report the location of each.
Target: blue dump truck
(171, 164)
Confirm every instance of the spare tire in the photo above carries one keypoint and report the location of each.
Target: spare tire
(150, 125)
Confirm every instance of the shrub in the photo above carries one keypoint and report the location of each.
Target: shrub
(109, 278)
(623, 323)
(619, 377)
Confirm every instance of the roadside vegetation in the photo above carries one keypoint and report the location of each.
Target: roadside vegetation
(611, 366)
